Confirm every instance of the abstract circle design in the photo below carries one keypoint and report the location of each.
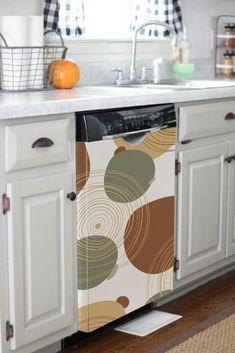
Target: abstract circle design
(82, 166)
(98, 215)
(155, 143)
(128, 176)
(96, 258)
(159, 283)
(149, 244)
(100, 314)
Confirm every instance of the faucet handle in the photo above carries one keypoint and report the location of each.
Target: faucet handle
(119, 72)
(144, 70)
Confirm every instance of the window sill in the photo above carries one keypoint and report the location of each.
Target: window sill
(105, 39)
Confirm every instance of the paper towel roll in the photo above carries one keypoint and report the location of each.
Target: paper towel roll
(15, 63)
(22, 69)
(36, 64)
(15, 30)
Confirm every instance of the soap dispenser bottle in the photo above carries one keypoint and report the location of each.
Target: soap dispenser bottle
(185, 49)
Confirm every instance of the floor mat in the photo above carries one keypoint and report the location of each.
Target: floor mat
(148, 323)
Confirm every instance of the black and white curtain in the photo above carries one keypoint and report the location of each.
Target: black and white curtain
(168, 11)
(51, 14)
(67, 16)
(71, 19)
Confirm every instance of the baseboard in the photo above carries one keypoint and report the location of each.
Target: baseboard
(180, 291)
(53, 348)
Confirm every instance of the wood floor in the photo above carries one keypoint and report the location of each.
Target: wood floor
(195, 307)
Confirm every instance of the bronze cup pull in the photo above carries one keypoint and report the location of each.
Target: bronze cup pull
(42, 142)
(230, 116)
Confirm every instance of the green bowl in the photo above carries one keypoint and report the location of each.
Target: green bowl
(183, 70)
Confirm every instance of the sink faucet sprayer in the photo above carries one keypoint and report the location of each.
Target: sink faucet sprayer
(132, 75)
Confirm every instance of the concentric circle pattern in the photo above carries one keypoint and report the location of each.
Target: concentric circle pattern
(155, 143)
(97, 256)
(128, 176)
(100, 314)
(105, 217)
(149, 245)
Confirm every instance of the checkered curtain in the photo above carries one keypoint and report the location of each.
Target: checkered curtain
(51, 14)
(71, 20)
(168, 11)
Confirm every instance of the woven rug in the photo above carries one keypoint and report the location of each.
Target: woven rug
(215, 335)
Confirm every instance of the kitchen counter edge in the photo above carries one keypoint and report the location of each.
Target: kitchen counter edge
(30, 104)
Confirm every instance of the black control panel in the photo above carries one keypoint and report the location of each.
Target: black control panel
(94, 126)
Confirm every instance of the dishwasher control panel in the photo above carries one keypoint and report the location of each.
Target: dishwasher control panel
(99, 125)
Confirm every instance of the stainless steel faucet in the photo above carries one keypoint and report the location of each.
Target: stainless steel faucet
(132, 76)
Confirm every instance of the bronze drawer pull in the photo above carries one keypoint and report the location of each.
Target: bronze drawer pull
(42, 142)
(230, 116)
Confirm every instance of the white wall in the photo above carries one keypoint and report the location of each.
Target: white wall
(20, 7)
(200, 19)
(96, 59)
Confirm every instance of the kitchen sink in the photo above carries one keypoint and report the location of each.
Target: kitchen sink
(181, 86)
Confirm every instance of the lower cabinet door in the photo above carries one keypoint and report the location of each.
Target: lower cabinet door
(41, 258)
(201, 227)
(231, 204)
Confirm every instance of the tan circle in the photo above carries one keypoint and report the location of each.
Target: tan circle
(98, 226)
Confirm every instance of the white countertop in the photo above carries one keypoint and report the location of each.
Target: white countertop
(25, 104)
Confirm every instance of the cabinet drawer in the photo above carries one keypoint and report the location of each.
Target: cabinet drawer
(204, 120)
(22, 151)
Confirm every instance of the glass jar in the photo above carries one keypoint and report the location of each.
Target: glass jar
(229, 30)
(227, 69)
(232, 31)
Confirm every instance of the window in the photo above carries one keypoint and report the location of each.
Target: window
(117, 18)
(95, 18)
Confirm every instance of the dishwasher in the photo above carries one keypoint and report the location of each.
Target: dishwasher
(125, 167)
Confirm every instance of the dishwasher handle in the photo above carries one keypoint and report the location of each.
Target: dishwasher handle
(125, 134)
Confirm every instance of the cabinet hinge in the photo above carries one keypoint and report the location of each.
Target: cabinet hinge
(176, 264)
(9, 331)
(177, 167)
(5, 204)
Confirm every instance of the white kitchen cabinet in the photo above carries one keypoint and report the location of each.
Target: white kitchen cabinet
(39, 234)
(201, 208)
(231, 204)
(205, 227)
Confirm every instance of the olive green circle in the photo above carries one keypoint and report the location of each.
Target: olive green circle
(97, 256)
(128, 176)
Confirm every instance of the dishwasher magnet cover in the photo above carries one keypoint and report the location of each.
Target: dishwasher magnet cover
(125, 225)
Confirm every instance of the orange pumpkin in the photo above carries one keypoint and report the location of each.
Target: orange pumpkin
(63, 73)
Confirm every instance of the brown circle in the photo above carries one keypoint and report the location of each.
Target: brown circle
(82, 165)
(149, 244)
(124, 301)
(120, 149)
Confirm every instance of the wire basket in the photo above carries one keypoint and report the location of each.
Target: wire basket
(27, 68)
